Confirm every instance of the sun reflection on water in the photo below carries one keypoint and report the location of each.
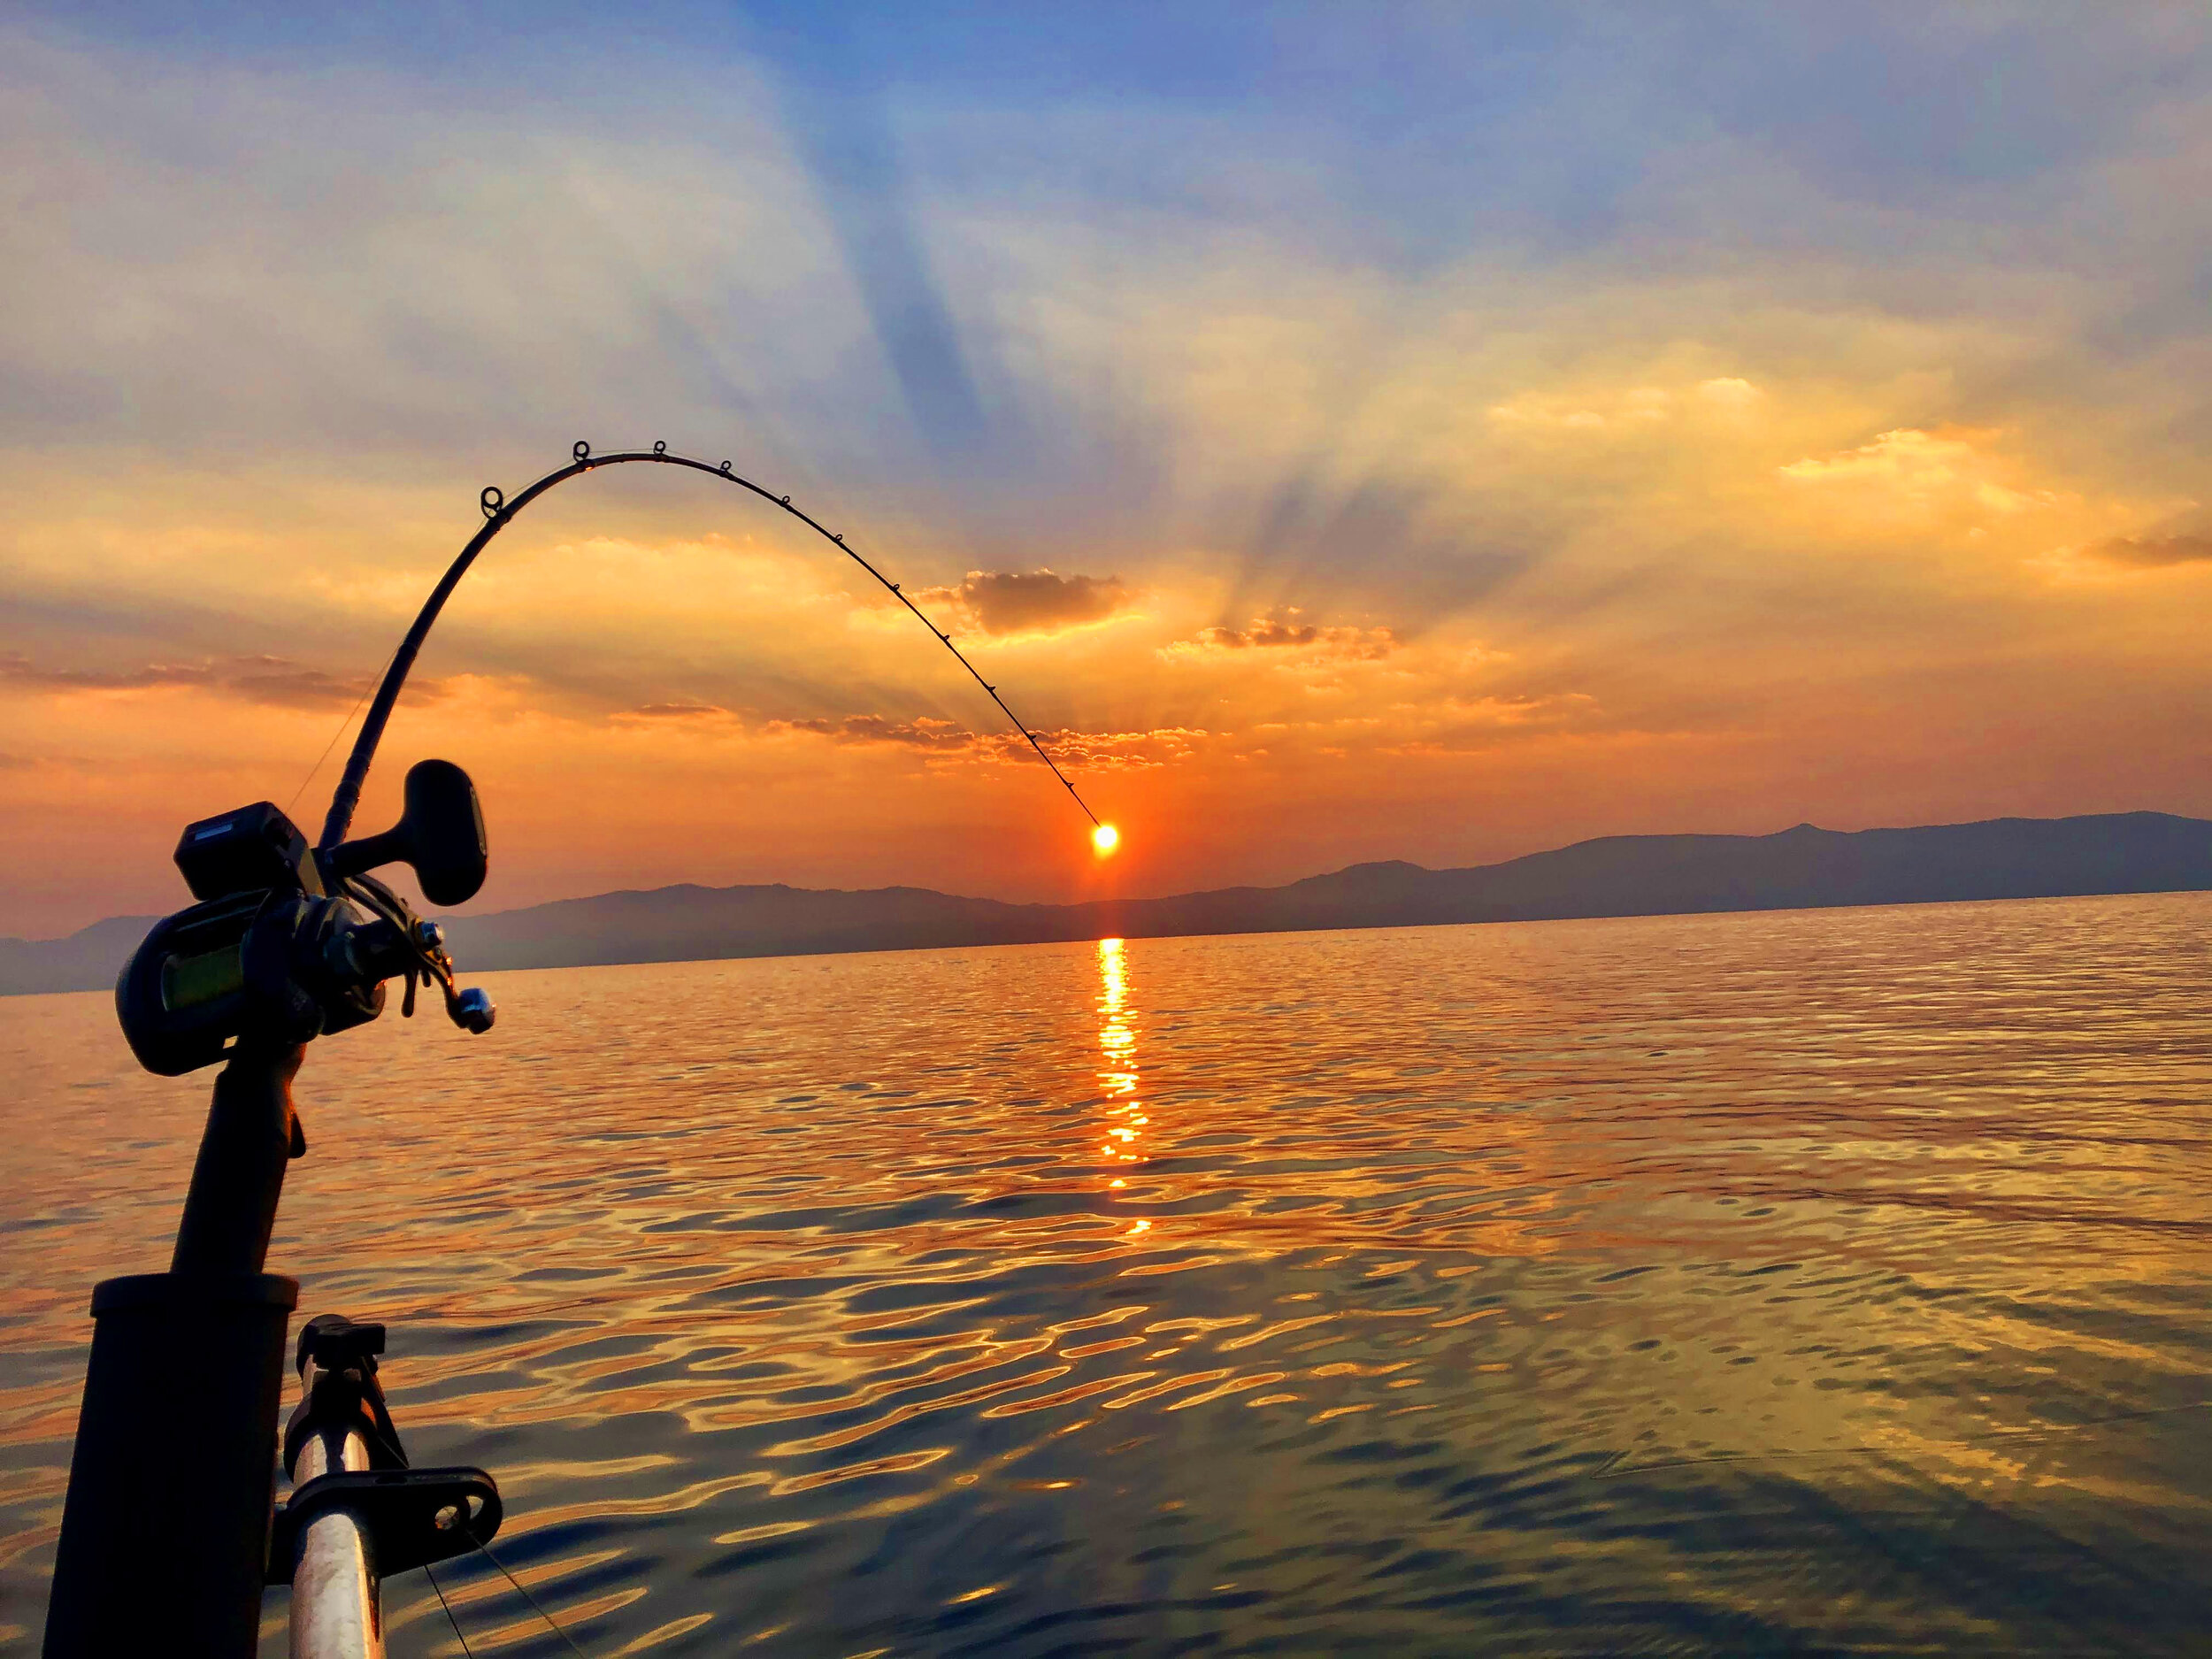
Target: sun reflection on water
(1119, 1078)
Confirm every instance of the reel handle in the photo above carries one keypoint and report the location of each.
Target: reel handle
(439, 835)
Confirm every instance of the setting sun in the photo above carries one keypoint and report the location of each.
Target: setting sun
(1104, 839)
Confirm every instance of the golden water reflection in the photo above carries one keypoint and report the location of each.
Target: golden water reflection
(1668, 1283)
(1120, 1078)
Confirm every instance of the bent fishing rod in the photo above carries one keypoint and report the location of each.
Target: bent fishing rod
(499, 512)
(169, 1529)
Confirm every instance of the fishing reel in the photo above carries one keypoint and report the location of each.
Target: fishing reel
(288, 944)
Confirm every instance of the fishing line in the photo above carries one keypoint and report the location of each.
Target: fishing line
(499, 512)
(325, 756)
(449, 1619)
(533, 1601)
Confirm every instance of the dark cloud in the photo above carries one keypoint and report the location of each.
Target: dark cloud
(2154, 552)
(287, 685)
(873, 728)
(1285, 630)
(276, 682)
(18, 668)
(1035, 601)
(1072, 750)
(1262, 632)
(675, 711)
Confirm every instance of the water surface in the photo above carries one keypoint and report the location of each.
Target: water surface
(1810, 1282)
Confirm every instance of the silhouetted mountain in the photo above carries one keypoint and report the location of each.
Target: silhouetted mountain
(88, 960)
(1803, 868)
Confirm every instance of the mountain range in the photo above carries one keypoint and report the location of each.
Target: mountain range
(1803, 868)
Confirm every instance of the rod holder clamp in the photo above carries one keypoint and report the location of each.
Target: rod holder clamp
(345, 1393)
(413, 1516)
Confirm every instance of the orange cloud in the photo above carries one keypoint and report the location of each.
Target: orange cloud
(1953, 467)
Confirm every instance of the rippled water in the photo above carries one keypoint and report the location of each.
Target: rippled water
(1761, 1283)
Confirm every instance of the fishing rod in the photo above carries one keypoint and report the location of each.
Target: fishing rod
(499, 512)
(169, 1529)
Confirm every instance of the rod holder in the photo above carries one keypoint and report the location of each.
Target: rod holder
(164, 1533)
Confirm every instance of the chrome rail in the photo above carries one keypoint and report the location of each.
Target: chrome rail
(336, 1612)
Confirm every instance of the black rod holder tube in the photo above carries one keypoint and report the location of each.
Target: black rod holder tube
(165, 1531)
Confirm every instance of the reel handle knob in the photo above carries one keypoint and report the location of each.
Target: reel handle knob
(440, 835)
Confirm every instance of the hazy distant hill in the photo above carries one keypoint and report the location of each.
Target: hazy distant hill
(1621, 875)
(88, 960)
